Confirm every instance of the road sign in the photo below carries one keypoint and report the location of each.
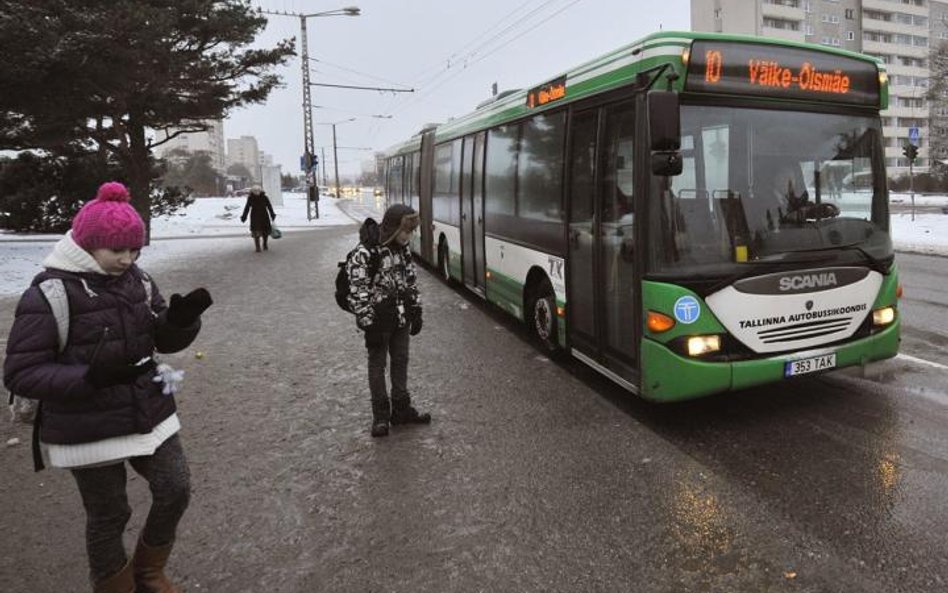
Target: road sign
(913, 136)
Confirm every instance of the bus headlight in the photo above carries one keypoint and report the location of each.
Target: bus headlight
(698, 345)
(883, 316)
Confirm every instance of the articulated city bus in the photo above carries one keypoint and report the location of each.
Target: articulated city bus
(678, 214)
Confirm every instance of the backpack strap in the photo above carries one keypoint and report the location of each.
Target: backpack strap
(55, 292)
(54, 289)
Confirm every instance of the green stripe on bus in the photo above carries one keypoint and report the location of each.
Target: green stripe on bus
(668, 376)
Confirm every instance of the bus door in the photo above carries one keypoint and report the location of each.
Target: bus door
(425, 181)
(472, 212)
(601, 265)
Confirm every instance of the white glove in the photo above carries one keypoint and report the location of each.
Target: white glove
(171, 378)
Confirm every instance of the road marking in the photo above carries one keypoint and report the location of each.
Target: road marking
(909, 358)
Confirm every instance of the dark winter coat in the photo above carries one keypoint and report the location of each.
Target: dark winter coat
(110, 322)
(261, 213)
(383, 289)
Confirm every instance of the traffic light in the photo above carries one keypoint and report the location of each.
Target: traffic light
(910, 151)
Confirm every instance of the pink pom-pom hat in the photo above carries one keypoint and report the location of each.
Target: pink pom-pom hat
(109, 221)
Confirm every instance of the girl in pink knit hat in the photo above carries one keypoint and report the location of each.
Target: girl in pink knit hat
(104, 402)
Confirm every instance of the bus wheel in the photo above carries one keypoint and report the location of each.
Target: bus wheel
(544, 316)
(443, 266)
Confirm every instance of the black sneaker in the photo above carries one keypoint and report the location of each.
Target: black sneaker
(409, 415)
(380, 429)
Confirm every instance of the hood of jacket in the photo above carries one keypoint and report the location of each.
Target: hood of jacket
(369, 233)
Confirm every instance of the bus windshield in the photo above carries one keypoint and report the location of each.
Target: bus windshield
(762, 185)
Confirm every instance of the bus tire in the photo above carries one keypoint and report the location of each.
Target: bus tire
(543, 315)
(444, 261)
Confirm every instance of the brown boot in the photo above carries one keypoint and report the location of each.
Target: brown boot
(149, 566)
(121, 582)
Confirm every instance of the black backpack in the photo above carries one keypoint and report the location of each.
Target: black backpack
(368, 236)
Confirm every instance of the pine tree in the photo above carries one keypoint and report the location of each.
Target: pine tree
(99, 75)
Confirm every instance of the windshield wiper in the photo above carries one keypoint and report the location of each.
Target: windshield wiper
(875, 263)
(794, 256)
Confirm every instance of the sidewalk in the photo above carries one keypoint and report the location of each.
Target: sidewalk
(290, 493)
(274, 403)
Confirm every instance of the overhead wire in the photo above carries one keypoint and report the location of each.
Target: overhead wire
(427, 91)
(350, 70)
(438, 66)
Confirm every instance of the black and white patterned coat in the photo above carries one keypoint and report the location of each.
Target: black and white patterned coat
(383, 286)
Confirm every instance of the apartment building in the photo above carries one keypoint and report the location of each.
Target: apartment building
(211, 142)
(899, 32)
(244, 150)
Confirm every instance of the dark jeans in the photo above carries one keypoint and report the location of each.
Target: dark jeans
(395, 346)
(107, 511)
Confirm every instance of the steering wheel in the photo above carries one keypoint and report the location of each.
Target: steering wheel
(822, 210)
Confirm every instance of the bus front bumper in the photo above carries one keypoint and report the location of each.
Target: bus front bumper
(668, 376)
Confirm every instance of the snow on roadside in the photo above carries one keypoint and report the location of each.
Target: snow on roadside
(174, 237)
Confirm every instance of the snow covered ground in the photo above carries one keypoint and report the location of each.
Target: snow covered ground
(207, 224)
(214, 223)
(928, 233)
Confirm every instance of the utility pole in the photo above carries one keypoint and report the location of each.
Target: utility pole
(323, 151)
(312, 197)
(312, 192)
(335, 158)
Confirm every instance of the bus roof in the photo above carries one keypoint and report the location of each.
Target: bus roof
(612, 70)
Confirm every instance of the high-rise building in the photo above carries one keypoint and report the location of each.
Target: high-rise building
(244, 151)
(899, 32)
(211, 142)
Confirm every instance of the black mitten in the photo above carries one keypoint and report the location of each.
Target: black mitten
(184, 310)
(415, 321)
(107, 375)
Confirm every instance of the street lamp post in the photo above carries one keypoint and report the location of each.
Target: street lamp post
(308, 138)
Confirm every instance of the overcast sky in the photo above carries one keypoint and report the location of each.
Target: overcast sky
(449, 51)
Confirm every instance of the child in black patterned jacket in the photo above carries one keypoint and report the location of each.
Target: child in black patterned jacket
(384, 297)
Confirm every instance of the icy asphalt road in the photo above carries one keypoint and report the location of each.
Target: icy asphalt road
(534, 476)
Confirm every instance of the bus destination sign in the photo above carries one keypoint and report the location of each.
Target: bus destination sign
(780, 72)
(547, 92)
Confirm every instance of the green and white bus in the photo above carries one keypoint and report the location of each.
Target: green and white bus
(675, 214)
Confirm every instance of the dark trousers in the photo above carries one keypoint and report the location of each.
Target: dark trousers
(395, 346)
(107, 511)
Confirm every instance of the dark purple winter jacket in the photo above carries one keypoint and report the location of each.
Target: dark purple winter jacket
(110, 322)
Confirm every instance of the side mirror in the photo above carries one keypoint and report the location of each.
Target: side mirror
(666, 163)
(664, 129)
(664, 115)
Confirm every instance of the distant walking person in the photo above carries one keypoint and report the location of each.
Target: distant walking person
(384, 297)
(103, 399)
(261, 213)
